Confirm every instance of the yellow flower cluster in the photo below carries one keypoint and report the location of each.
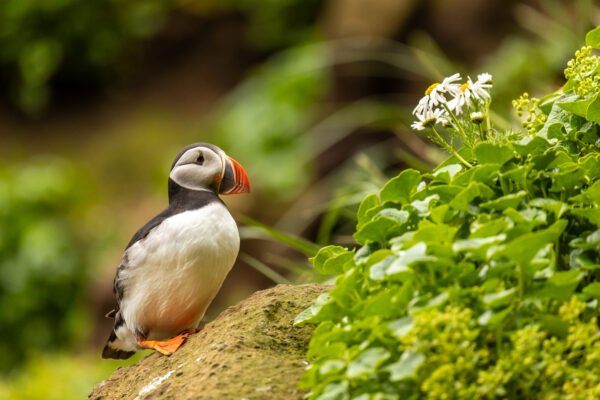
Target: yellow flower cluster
(527, 363)
(582, 71)
(527, 106)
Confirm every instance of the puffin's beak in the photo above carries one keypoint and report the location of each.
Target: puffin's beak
(235, 179)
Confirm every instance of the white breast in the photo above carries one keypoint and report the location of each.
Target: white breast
(176, 271)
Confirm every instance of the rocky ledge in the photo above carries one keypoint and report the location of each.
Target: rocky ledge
(251, 351)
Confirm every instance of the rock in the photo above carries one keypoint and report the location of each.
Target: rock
(251, 351)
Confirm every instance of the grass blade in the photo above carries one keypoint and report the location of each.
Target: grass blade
(264, 269)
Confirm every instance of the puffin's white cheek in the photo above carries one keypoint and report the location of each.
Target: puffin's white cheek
(188, 176)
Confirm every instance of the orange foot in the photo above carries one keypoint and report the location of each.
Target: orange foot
(167, 347)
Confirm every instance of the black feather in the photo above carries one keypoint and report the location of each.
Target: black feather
(180, 200)
(109, 352)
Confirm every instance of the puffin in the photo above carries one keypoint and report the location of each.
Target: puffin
(175, 264)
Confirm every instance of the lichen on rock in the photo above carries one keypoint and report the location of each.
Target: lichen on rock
(251, 351)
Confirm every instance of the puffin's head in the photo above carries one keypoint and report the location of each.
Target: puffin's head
(203, 166)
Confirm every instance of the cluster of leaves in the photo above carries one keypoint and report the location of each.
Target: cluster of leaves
(477, 282)
(42, 267)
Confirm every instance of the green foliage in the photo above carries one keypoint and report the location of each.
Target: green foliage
(42, 267)
(80, 40)
(473, 282)
(266, 116)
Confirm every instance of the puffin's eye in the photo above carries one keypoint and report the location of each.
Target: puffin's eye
(200, 159)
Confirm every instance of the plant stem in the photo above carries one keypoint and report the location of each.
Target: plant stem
(521, 281)
(456, 122)
(450, 148)
(503, 185)
(487, 115)
(482, 132)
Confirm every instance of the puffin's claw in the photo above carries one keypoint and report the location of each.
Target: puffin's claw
(167, 347)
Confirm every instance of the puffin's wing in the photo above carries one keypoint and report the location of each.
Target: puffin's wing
(153, 223)
(111, 349)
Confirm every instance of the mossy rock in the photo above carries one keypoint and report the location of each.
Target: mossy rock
(251, 351)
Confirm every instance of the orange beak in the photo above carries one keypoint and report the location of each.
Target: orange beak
(235, 179)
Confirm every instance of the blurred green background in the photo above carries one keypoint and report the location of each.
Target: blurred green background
(312, 97)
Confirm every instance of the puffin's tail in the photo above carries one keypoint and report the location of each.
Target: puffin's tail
(111, 349)
(118, 354)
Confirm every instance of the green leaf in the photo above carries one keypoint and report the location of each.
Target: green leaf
(592, 38)
(335, 391)
(400, 188)
(330, 260)
(422, 206)
(546, 102)
(479, 173)
(587, 107)
(442, 214)
(401, 326)
(332, 366)
(499, 299)
(477, 243)
(467, 195)
(494, 318)
(501, 203)
(525, 247)
(406, 367)
(369, 202)
(385, 303)
(483, 229)
(347, 289)
(378, 270)
(445, 174)
(366, 362)
(589, 196)
(567, 180)
(562, 284)
(400, 265)
(561, 121)
(593, 290)
(387, 221)
(491, 153)
(434, 233)
(363, 254)
(526, 219)
(322, 309)
(531, 145)
(445, 193)
(557, 207)
(591, 214)
(591, 241)
(465, 153)
(582, 259)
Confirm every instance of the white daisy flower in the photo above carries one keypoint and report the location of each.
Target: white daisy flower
(485, 78)
(430, 118)
(436, 94)
(463, 98)
(422, 108)
(471, 91)
(480, 88)
(477, 117)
